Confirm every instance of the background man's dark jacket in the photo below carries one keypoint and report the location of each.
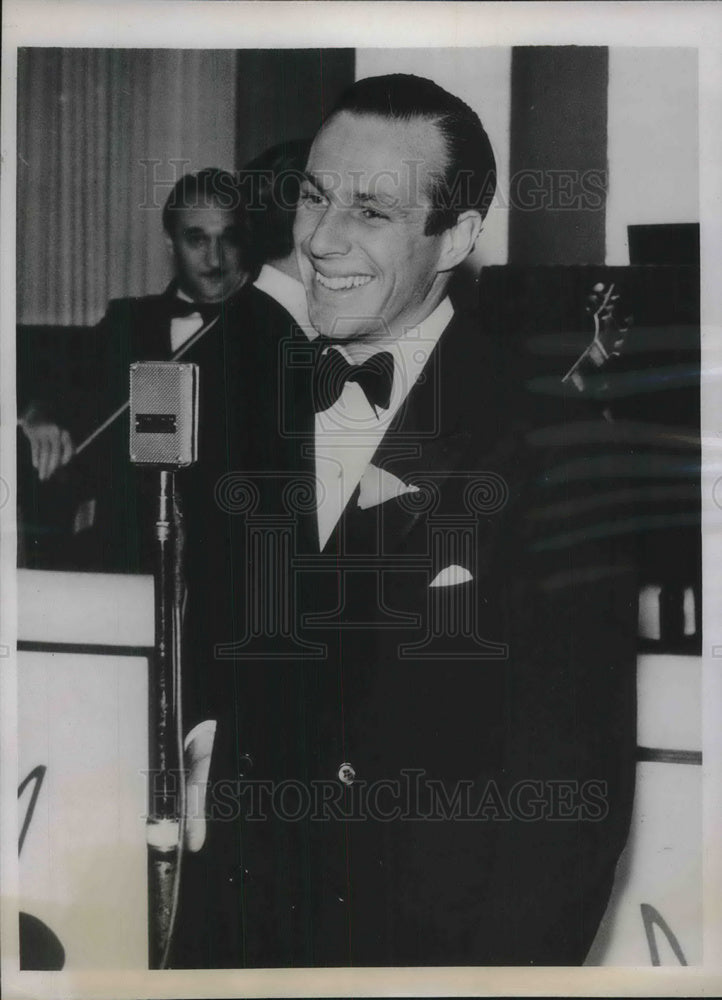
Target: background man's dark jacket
(138, 329)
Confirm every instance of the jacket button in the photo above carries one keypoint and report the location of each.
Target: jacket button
(346, 773)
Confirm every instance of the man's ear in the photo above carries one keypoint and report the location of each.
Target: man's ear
(459, 240)
(169, 243)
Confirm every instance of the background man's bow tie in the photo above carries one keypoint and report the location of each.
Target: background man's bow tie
(332, 372)
(178, 307)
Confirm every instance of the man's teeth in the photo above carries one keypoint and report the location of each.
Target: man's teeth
(352, 281)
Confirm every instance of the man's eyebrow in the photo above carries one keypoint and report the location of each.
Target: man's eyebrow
(375, 198)
(360, 198)
(200, 231)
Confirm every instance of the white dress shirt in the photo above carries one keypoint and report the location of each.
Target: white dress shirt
(349, 432)
(182, 328)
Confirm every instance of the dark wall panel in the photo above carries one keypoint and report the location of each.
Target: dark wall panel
(285, 93)
(558, 155)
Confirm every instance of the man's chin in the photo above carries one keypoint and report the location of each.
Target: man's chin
(211, 295)
(337, 326)
(351, 328)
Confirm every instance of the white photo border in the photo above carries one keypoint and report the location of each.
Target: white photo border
(196, 24)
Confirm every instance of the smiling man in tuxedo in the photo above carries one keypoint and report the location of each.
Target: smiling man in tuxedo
(441, 719)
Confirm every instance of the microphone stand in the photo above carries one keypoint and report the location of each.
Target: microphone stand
(167, 793)
(164, 435)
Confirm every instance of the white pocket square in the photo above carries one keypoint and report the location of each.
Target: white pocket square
(451, 576)
(377, 486)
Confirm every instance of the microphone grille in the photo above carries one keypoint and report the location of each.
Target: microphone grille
(163, 413)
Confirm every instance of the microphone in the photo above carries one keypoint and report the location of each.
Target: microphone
(163, 414)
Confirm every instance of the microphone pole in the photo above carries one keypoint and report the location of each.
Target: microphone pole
(163, 436)
(166, 812)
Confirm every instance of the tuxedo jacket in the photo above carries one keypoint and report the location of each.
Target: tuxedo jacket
(425, 742)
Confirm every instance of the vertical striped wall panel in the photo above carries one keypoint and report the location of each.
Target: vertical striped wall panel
(102, 135)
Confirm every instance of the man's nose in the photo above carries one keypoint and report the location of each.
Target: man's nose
(214, 253)
(331, 234)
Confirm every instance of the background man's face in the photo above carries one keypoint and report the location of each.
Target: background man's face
(207, 252)
(367, 266)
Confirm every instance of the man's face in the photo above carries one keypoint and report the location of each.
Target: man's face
(207, 252)
(367, 266)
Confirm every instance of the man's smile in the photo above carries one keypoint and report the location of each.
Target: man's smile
(342, 282)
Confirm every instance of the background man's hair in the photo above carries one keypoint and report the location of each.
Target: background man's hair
(469, 177)
(274, 180)
(207, 188)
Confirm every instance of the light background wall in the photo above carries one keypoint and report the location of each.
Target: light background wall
(652, 142)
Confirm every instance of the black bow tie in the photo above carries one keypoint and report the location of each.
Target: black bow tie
(332, 372)
(178, 307)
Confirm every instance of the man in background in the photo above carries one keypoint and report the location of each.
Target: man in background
(209, 242)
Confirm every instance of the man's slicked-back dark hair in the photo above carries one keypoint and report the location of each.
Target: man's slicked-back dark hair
(469, 178)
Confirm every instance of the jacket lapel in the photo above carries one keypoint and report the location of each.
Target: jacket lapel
(436, 434)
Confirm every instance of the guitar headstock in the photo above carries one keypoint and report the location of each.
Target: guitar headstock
(608, 339)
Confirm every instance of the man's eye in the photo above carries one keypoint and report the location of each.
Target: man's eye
(371, 213)
(311, 198)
